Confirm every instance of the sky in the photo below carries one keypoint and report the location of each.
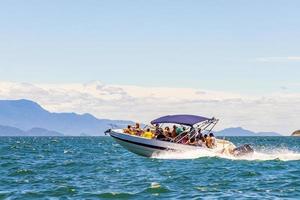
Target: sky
(244, 52)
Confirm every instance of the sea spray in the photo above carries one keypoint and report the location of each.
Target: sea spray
(282, 154)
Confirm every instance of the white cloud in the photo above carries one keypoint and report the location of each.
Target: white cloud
(279, 59)
(273, 112)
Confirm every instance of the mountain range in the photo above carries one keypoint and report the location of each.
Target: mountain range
(238, 131)
(28, 115)
(27, 118)
(12, 131)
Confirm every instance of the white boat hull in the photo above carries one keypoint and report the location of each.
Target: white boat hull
(148, 147)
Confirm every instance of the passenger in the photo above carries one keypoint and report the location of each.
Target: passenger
(199, 136)
(179, 130)
(129, 130)
(159, 134)
(137, 129)
(163, 135)
(156, 126)
(161, 130)
(213, 140)
(200, 140)
(158, 130)
(193, 141)
(167, 132)
(184, 139)
(208, 141)
(193, 132)
(148, 134)
(205, 139)
(199, 131)
(173, 133)
(201, 143)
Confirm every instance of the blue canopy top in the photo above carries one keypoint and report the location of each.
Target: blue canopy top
(189, 120)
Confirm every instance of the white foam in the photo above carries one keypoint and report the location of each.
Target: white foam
(155, 185)
(272, 154)
(184, 154)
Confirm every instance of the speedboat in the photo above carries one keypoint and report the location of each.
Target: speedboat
(192, 126)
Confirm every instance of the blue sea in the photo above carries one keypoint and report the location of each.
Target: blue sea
(99, 168)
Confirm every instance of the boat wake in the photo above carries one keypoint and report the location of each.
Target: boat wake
(260, 155)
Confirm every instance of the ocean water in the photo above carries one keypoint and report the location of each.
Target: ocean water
(99, 168)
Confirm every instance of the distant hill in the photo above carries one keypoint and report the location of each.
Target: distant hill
(25, 115)
(296, 133)
(238, 131)
(42, 132)
(12, 131)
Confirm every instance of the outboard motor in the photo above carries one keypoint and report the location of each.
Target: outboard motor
(243, 150)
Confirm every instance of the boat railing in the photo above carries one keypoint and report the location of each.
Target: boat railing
(206, 128)
(179, 137)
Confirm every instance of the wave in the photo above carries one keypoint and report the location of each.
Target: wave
(282, 154)
(154, 189)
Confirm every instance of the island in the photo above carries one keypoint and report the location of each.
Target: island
(296, 133)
